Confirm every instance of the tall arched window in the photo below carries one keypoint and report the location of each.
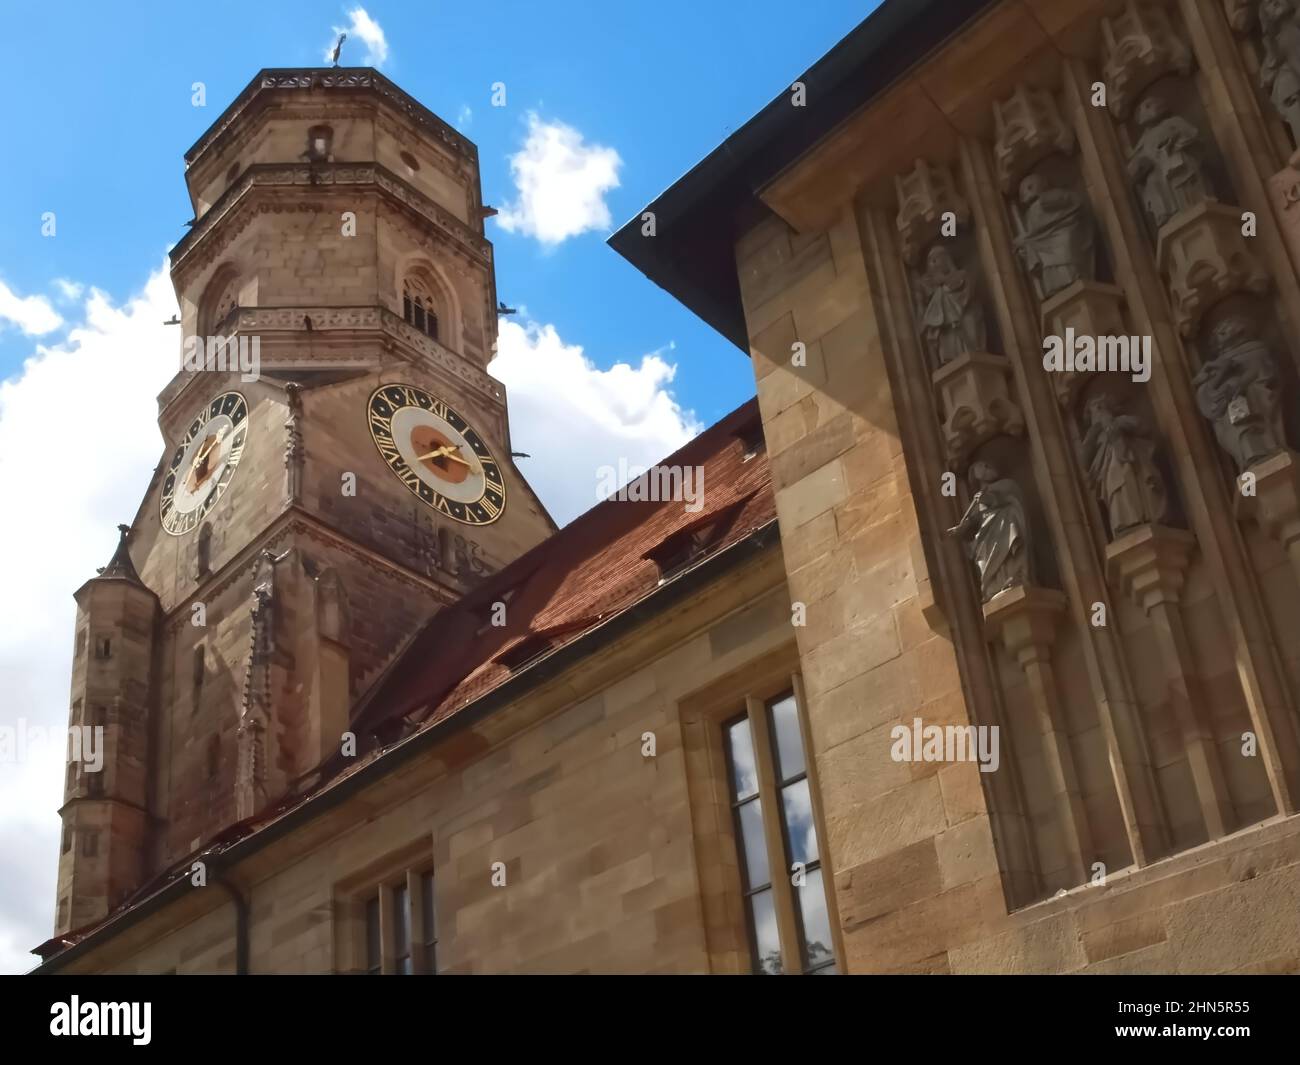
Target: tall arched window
(419, 307)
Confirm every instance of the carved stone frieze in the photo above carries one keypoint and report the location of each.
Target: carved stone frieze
(1139, 45)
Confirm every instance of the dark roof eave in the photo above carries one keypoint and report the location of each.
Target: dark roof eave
(659, 601)
(699, 217)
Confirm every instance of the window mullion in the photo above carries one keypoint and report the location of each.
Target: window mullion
(783, 893)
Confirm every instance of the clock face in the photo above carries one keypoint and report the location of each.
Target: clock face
(203, 463)
(437, 454)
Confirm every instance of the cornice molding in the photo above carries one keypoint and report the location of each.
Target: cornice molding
(276, 81)
(195, 249)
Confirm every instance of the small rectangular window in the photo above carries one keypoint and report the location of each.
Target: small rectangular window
(103, 647)
(767, 775)
(81, 643)
(67, 838)
(90, 844)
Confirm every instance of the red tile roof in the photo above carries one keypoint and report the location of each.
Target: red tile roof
(593, 569)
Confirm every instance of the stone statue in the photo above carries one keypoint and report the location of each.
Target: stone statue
(1239, 392)
(1122, 468)
(1056, 244)
(996, 531)
(951, 317)
(1167, 162)
(1280, 71)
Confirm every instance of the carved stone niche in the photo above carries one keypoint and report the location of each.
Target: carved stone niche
(1089, 308)
(976, 399)
(1203, 255)
(1029, 128)
(925, 193)
(1139, 45)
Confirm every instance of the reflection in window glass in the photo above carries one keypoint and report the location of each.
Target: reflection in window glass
(799, 822)
(374, 953)
(767, 943)
(744, 774)
(789, 741)
(817, 949)
(753, 843)
(402, 929)
(430, 927)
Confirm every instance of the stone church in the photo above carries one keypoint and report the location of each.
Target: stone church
(1020, 284)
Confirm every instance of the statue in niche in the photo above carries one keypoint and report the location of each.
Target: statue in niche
(1056, 244)
(1121, 464)
(1280, 71)
(1239, 392)
(951, 317)
(995, 530)
(1167, 162)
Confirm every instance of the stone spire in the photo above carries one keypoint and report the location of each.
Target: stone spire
(120, 565)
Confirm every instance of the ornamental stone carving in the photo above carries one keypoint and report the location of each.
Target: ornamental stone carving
(1203, 254)
(1120, 459)
(1056, 237)
(976, 399)
(1239, 392)
(1029, 128)
(1139, 46)
(1167, 163)
(950, 315)
(996, 531)
(925, 194)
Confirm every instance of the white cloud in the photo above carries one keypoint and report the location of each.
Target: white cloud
(573, 418)
(32, 314)
(69, 290)
(78, 443)
(561, 182)
(363, 28)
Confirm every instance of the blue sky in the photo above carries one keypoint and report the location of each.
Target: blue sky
(608, 103)
(100, 114)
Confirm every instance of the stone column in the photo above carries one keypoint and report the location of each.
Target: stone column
(1025, 619)
(1149, 564)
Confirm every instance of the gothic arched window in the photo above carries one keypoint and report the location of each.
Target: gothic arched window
(419, 307)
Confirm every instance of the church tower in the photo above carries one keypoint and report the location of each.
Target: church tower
(337, 462)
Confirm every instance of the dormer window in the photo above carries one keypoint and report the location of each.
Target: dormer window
(319, 141)
(751, 439)
(418, 307)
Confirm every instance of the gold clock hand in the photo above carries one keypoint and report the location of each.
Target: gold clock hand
(438, 453)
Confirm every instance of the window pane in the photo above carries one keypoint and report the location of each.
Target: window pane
(799, 828)
(373, 954)
(789, 741)
(426, 906)
(753, 844)
(816, 923)
(766, 940)
(744, 776)
(401, 920)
